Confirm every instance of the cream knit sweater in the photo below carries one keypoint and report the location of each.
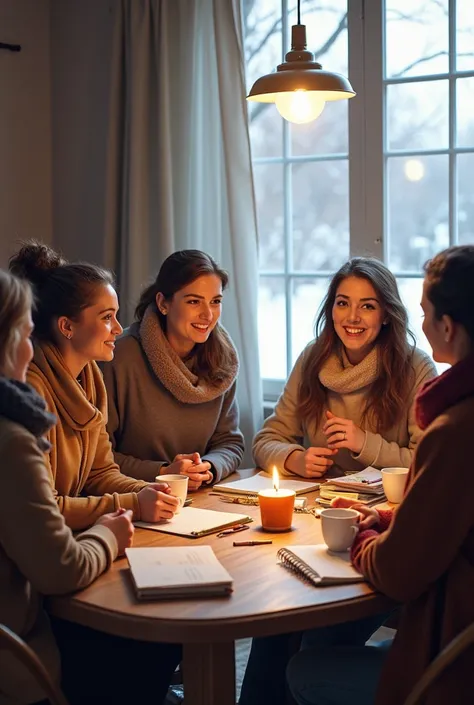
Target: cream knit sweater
(347, 387)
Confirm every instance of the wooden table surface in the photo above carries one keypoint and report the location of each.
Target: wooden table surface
(267, 599)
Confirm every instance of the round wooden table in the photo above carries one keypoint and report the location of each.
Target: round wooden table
(267, 599)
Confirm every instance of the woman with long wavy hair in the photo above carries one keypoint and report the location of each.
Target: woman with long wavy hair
(348, 403)
(349, 400)
(171, 385)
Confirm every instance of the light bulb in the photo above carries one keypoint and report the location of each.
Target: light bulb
(300, 106)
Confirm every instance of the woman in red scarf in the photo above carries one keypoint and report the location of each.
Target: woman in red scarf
(422, 556)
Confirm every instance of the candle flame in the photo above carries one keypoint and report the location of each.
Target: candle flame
(276, 479)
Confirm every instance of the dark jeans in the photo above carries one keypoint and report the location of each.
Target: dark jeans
(339, 676)
(101, 668)
(265, 677)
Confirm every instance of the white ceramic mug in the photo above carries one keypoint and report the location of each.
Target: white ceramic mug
(339, 527)
(394, 481)
(178, 485)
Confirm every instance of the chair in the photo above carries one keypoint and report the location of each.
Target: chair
(445, 658)
(30, 660)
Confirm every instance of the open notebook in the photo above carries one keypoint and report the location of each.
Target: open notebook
(193, 522)
(262, 481)
(178, 571)
(319, 565)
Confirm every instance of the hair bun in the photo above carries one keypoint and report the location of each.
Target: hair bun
(34, 261)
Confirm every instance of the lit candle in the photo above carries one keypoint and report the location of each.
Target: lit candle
(276, 506)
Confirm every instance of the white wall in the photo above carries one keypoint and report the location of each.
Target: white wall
(25, 125)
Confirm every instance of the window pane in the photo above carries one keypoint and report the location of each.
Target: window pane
(464, 113)
(269, 195)
(326, 135)
(465, 199)
(418, 115)
(307, 295)
(263, 51)
(272, 327)
(464, 36)
(417, 210)
(410, 292)
(320, 215)
(417, 37)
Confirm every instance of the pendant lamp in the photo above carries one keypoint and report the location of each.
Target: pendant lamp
(299, 87)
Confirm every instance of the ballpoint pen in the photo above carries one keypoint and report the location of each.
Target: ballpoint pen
(260, 542)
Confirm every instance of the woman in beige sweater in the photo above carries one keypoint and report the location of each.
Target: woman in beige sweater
(349, 403)
(76, 323)
(349, 400)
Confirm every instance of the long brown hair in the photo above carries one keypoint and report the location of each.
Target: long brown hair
(214, 357)
(60, 288)
(450, 285)
(388, 393)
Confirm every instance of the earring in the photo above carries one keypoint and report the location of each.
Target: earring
(69, 336)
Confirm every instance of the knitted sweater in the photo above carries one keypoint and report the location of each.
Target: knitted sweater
(159, 408)
(86, 479)
(426, 556)
(347, 387)
(38, 553)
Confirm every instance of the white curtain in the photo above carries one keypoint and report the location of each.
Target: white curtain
(179, 167)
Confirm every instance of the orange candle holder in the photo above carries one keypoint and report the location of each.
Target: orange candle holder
(276, 509)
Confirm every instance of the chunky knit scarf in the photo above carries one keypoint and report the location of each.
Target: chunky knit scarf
(445, 391)
(338, 375)
(171, 370)
(21, 404)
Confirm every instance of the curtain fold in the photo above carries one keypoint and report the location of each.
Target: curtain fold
(179, 166)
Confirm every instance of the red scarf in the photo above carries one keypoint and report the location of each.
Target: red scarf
(445, 391)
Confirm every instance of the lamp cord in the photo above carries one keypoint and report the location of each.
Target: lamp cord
(299, 13)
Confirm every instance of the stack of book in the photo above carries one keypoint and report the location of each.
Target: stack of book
(365, 487)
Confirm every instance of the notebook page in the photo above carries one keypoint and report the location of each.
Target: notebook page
(192, 521)
(327, 564)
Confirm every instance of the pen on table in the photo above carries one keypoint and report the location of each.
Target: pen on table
(253, 543)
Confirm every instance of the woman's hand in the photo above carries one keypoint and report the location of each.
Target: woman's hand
(342, 433)
(156, 502)
(120, 524)
(190, 464)
(312, 463)
(369, 516)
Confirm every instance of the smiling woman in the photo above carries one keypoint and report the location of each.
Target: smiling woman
(171, 386)
(75, 324)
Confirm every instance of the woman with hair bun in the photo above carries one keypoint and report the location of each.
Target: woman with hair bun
(75, 320)
(171, 386)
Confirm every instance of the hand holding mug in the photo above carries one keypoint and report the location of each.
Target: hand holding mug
(369, 516)
(343, 433)
(156, 502)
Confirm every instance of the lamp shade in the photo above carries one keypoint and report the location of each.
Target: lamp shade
(299, 86)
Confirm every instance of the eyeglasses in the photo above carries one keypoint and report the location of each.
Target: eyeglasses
(232, 530)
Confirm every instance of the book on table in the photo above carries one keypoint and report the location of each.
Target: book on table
(319, 565)
(177, 571)
(368, 481)
(193, 522)
(262, 481)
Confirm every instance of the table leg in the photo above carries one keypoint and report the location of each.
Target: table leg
(209, 673)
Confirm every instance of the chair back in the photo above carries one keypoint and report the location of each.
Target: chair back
(34, 665)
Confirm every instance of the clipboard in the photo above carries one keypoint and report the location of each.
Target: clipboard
(193, 522)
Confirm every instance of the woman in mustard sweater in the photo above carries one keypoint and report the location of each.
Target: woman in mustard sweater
(172, 383)
(40, 556)
(423, 554)
(76, 324)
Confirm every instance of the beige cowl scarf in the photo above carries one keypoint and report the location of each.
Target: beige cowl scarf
(340, 376)
(172, 372)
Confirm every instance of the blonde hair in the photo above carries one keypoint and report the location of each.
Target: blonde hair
(16, 301)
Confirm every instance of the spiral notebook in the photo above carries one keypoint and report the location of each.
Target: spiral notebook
(319, 565)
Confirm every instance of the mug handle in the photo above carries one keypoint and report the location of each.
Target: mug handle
(355, 531)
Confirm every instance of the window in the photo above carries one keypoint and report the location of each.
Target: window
(385, 173)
